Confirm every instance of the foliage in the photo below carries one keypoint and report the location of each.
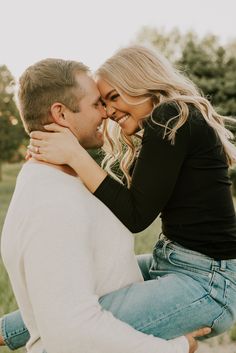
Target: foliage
(209, 64)
(97, 155)
(170, 44)
(232, 333)
(11, 129)
(7, 300)
(206, 62)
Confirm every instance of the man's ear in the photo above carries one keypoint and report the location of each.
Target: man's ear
(58, 113)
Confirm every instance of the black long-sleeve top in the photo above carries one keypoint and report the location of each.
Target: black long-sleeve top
(187, 183)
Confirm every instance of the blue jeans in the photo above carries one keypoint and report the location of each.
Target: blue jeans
(183, 290)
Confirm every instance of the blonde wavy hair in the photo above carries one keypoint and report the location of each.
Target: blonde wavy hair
(141, 72)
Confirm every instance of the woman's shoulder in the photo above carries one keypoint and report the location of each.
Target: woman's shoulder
(165, 111)
(169, 112)
(165, 116)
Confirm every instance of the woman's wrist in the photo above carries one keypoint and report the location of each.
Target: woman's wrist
(87, 169)
(78, 158)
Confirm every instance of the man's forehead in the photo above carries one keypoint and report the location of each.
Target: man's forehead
(86, 82)
(89, 86)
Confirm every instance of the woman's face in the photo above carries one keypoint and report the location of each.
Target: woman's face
(128, 116)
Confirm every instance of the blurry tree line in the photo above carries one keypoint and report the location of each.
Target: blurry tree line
(12, 134)
(210, 64)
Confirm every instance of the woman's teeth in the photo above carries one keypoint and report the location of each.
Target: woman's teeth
(122, 120)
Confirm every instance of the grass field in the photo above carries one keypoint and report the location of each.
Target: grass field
(143, 244)
(7, 300)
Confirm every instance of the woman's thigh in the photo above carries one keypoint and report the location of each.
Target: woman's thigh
(216, 277)
(166, 307)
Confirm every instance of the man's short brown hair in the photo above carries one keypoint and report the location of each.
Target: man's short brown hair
(44, 83)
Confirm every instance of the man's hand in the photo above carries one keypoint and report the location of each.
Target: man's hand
(193, 344)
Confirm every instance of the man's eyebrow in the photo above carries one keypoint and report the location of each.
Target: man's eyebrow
(109, 93)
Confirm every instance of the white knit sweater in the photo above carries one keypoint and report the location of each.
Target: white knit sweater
(63, 249)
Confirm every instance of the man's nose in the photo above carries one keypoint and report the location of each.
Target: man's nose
(104, 113)
(110, 111)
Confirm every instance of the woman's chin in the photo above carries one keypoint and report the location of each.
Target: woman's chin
(128, 132)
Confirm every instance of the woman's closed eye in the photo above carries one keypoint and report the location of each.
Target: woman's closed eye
(114, 97)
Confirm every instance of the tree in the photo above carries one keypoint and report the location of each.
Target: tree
(170, 44)
(210, 65)
(11, 128)
(212, 69)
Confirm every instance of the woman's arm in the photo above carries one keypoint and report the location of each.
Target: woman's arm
(60, 146)
(153, 180)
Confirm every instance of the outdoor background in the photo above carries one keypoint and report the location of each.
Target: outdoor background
(198, 37)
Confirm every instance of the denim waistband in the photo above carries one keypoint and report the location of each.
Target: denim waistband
(206, 261)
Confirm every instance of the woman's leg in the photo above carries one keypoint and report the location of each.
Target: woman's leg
(167, 307)
(14, 331)
(188, 291)
(145, 262)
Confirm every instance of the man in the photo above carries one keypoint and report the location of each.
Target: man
(63, 249)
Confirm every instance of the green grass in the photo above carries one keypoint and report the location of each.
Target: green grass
(7, 300)
(6, 188)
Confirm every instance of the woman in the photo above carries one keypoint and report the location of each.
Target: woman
(181, 172)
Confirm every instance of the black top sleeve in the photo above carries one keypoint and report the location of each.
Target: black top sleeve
(154, 177)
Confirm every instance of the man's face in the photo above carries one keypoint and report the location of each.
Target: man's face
(86, 124)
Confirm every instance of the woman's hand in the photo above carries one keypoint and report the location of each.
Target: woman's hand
(193, 344)
(60, 146)
(56, 146)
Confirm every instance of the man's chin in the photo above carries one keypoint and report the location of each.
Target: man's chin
(90, 145)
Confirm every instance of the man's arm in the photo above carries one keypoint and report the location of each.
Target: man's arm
(59, 272)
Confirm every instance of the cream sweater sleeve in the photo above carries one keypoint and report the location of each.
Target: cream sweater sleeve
(59, 274)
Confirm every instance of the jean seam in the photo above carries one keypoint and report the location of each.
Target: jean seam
(218, 318)
(7, 338)
(175, 312)
(167, 248)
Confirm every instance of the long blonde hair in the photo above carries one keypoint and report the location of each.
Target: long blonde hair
(139, 71)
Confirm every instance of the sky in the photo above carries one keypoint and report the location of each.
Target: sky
(92, 30)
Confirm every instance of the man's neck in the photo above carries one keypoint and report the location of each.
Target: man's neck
(64, 168)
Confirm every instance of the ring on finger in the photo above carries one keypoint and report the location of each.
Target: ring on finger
(37, 150)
